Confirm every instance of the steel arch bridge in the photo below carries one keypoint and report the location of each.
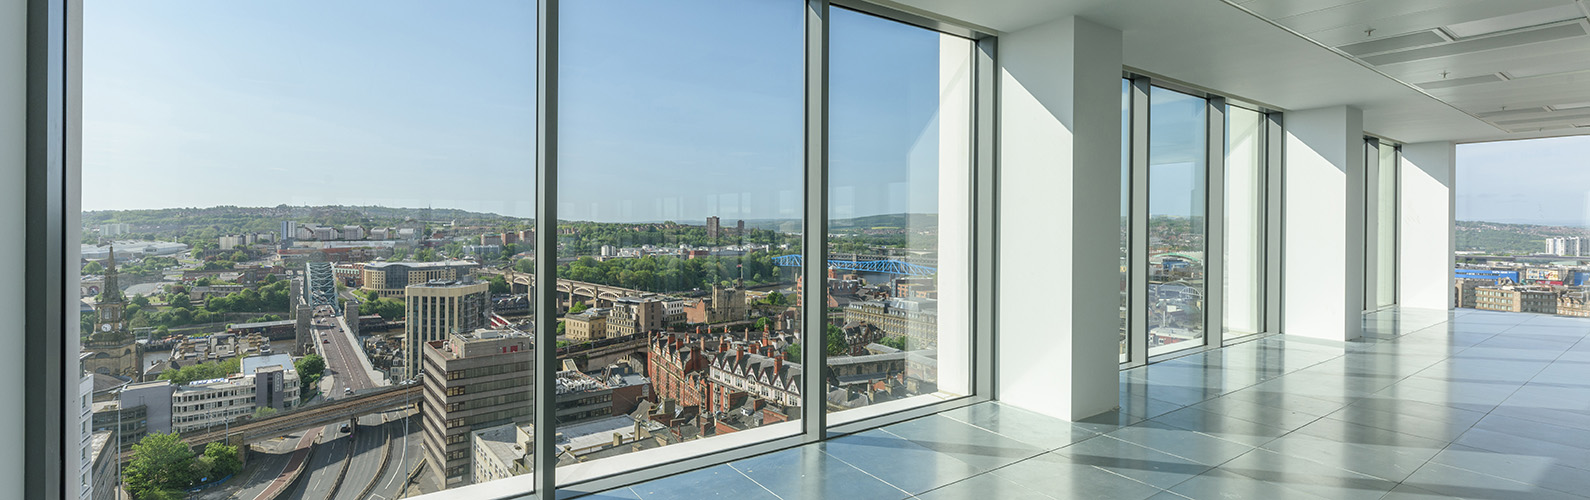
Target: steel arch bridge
(871, 266)
(321, 286)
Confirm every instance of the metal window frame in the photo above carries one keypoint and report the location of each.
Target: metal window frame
(54, 55)
(50, 24)
(1263, 231)
(1271, 232)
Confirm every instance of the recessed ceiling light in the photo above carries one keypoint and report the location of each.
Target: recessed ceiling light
(1514, 21)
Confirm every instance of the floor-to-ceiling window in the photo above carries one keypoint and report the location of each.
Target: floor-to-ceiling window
(1126, 218)
(899, 212)
(1521, 226)
(284, 212)
(1177, 175)
(1244, 221)
(391, 170)
(1388, 162)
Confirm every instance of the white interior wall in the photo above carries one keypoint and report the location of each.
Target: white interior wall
(1427, 239)
(13, 95)
(1324, 242)
(1059, 188)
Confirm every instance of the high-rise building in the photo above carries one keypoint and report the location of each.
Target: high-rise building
(712, 227)
(739, 228)
(437, 309)
(289, 230)
(473, 380)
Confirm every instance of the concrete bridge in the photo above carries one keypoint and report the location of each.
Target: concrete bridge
(568, 290)
(346, 409)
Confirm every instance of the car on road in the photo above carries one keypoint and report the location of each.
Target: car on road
(325, 341)
(347, 390)
(345, 429)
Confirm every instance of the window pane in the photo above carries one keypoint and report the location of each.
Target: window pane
(1244, 285)
(357, 181)
(680, 206)
(1176, 196)
(899, 212)
(1386, 253)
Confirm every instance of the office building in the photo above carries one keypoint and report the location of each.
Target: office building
(473, 380)
(439, 308)
(388, 279)
(588, 325)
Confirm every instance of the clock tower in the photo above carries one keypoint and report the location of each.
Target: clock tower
(111, 349)
(111, 305)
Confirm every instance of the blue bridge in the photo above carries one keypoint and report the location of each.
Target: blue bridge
(870, 266)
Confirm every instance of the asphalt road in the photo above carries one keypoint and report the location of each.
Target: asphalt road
(325, 462)
(406, 453)
(342, 358)
(369, 441)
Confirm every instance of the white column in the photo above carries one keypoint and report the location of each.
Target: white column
(13, 93)
(1060, 184)
(1324, 242)
(1426, 241)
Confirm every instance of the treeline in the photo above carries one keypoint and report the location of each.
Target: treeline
(671, 274)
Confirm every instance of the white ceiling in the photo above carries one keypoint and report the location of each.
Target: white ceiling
(1464, 70)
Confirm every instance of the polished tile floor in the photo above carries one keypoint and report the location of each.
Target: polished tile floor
(1429, 404)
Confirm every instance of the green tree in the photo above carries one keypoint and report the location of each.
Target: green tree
(792, 352)
(895, 342)
(224, 459)
(525, 266)
(499, 286)
(577, 308)
(265, 412)
(776, 299)
(160, 463)
(389, 309)
(560, 330)
(836, 341)
(93, 268)
(310, 368)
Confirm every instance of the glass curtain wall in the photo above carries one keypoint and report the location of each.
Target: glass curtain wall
(1386, 249)
(358, 187)
(1177, 183)
(680, 212)
(1244, 219)
(899, 212)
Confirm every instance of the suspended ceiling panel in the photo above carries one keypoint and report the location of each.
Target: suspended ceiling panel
(1473, 57)
(1520, 65)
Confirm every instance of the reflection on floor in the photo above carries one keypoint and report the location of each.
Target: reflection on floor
(1430, 404)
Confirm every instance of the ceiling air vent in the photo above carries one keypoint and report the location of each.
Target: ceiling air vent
(1458, 82)
(1557, 117)
(1399, 42)
(1569, 29)
(1512, 112)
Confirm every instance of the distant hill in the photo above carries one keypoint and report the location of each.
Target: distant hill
(231, 219)
(1497, 238)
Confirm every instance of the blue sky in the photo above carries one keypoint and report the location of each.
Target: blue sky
(670, 110)
(1538, 181)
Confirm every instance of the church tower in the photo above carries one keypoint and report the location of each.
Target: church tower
(112, 349)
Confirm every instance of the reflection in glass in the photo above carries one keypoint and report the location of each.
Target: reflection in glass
(1244, 286)
(899, 212)
(1176, 197)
